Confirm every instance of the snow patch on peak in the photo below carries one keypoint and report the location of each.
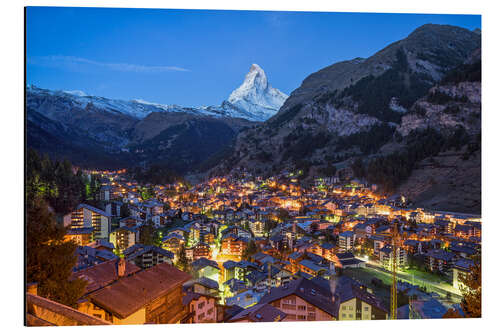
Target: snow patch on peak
(256, 96)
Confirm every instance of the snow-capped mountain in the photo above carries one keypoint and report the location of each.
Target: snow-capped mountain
(77, 99)
(256, 96)
(254, 100)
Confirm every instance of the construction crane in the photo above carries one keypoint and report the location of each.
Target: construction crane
(394, 287)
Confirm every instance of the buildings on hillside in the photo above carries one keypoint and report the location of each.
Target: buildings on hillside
(255, 250)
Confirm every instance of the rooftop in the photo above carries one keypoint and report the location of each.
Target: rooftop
(260, 313)
(103, 274)
(131, 293)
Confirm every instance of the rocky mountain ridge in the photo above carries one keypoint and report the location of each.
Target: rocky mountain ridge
(123, 130)
(367, 109)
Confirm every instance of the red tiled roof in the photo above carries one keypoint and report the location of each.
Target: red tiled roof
(129, 294)
(101, 275)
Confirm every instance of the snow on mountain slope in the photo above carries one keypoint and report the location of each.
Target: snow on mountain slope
(256, 96)
(135, 108)
(75, 92)
(81, 100)
(254, 100)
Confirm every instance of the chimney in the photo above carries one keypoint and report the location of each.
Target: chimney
(32, 288)
(121, 267)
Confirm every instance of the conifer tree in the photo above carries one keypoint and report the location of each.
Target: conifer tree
(182, 261)
(147, 233)
(49, 258)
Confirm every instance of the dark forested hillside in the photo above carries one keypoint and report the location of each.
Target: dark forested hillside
(187, 145)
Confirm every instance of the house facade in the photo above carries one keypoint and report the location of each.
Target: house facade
(86, 216)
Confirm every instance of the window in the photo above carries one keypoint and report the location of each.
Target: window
(343, 315)
(302, 307)
(301, 317)
(343, 307)
(367, 308)
(201, 305)
(350, 308)
(350, 315)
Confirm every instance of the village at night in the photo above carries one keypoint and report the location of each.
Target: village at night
(247, 249)
(167, 181)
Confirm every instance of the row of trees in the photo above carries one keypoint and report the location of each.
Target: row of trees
(57, 183)
(155, 174)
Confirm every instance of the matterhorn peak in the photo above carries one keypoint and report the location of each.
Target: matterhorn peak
(256, 77)
(255, 95)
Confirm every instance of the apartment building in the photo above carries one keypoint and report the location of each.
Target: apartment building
(86, 216)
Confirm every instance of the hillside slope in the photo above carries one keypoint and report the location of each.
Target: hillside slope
(352, 108)
(379, 117)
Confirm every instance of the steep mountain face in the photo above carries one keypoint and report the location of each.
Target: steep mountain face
(368, 108)
(256, 95)
(430, 50)
(449, 179)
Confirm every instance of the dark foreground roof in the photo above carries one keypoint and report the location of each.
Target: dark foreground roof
(305, 289)
(344, 288)
(101, 275)
(131, 293)
(41, 311)
(260, 313)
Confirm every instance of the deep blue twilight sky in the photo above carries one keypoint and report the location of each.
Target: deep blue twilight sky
(195, 57)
